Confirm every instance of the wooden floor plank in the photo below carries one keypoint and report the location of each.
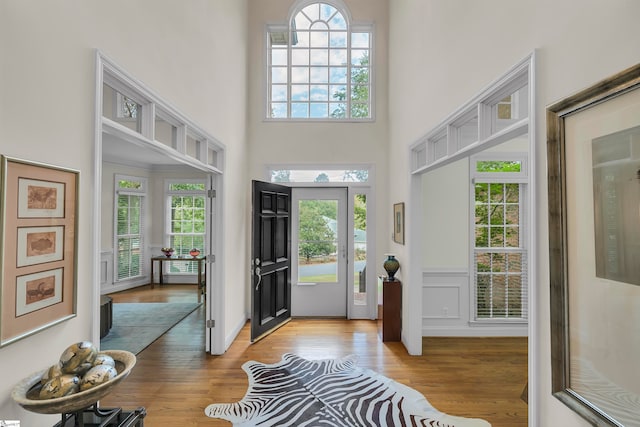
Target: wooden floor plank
(174, 379)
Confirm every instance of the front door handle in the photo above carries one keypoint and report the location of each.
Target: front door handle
(257, 272)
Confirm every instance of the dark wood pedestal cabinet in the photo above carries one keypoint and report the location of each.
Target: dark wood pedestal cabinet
(391, 310)
(106, 315)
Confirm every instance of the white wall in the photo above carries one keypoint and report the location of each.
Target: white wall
(47, 90)
(446, 204)
(444, 52)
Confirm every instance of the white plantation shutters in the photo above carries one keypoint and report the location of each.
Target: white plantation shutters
(129, 227)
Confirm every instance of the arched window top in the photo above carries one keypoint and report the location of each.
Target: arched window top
(319, 66)
(315, 14)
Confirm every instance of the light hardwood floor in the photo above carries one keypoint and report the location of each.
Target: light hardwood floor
(174, 379)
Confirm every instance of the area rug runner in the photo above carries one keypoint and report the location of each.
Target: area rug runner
(137, 325)
(330, 392)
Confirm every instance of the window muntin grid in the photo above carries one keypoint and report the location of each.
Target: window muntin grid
(186, 225)
(497, 213)
(321, 69)
(500, 261)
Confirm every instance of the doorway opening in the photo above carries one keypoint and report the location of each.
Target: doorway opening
(331, 246)
(490, 282)
(137, 134)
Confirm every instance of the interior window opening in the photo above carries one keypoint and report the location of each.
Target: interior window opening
(121, 109)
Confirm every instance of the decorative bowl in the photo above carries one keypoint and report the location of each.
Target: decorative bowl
(26, 392)
(168, 252)
(194, 252)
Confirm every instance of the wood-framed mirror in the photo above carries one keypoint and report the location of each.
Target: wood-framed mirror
(593, 149)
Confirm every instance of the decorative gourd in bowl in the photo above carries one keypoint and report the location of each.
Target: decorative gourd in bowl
(28, 392)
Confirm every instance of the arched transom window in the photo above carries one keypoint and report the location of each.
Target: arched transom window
(319, 66)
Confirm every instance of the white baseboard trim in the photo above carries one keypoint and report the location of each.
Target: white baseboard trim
(108, 289)
(234, 334)
(476, 331)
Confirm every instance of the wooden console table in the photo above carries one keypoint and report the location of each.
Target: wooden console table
(201, 270)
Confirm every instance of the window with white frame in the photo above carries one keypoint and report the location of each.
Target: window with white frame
(130, 193)
(509, 109)
(319, 66)
(186, 227)
(499, 253)
(320, 175)
(127, 108)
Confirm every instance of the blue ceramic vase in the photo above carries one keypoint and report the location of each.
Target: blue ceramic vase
(391, 266)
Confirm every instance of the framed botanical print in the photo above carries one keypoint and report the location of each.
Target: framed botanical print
(38, 256)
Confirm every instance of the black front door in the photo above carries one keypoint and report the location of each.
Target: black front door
(271, 258)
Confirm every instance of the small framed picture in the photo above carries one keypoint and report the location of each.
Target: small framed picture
(38, 208)
(398, 223)
(40, 199)
(37, 245)
(38, 290)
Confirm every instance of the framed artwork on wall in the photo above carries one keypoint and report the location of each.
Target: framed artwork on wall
(593, 150)
(398, 223)
(36, 245)
(38, 256)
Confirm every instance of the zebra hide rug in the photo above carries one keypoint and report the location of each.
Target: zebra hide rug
(331, 392)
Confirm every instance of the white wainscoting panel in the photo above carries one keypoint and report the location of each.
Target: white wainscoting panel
(441, 302)
(106, 272)
(445, 302)
(447, 308)
(107, 282)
